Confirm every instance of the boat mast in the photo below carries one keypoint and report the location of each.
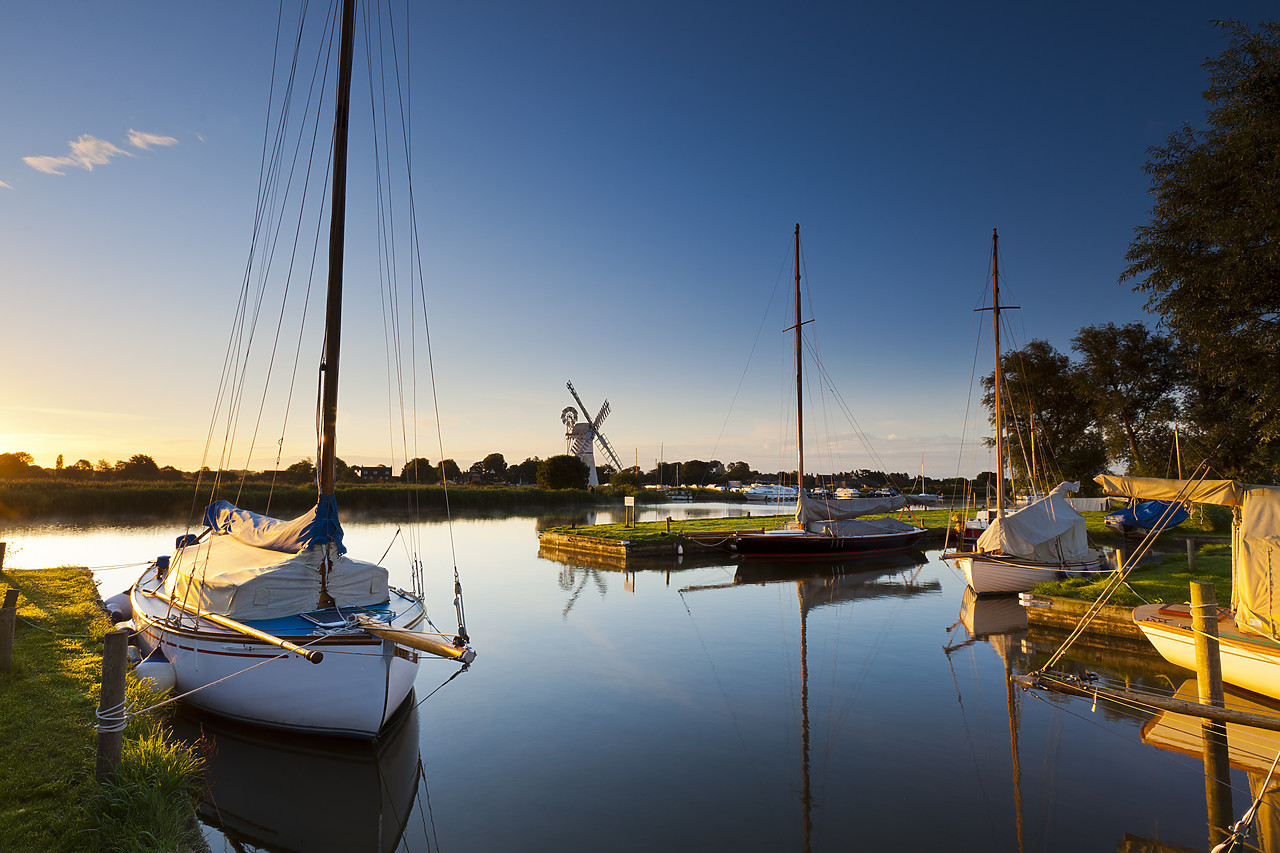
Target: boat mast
(799, 386)
(337, 240)
(995, 321)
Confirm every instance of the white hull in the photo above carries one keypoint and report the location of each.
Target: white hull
(353, 691)
(1248, 661)
(1006, 574)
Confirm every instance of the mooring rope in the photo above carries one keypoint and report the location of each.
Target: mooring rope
(113, 719)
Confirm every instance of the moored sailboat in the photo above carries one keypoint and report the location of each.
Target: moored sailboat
(828, 527)
(270, 621)
(1041, 541)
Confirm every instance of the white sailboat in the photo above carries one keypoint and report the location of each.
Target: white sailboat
(271, 622)
(1248, 631)
(1043, 540)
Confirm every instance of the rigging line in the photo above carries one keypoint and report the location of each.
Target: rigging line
(1117, 578)
(973, 750)
(428, 814)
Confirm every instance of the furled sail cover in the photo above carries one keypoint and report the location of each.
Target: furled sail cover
(811, 509)
(255, 567)
(319, 525)
(1048, 531)
(1220, 492)
(859, 527)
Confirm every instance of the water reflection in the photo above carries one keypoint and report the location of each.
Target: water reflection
(281, 791)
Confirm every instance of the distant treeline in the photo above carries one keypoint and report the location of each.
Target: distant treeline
(34, 498)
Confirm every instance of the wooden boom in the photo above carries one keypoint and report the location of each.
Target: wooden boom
(312, 655)
(416, 640)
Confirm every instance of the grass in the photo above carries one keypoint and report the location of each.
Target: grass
(49, 799)
(1166, 579)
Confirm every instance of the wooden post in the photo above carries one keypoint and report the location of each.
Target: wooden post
(2, 556)
(1193, 548)
(8, 619)
(114, 666)
(1217, 766)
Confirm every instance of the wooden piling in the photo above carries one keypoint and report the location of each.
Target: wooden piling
(8, 619)
(115, 646)
(1217, 765)
(1193, 548)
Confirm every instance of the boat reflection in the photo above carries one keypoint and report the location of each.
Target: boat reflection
(283, 791)
(1250, 749)
(845, 580)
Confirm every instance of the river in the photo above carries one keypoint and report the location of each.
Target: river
(692, 705)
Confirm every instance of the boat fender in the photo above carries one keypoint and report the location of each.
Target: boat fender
(185, 540)
(156, 672)
(119, 608)
(680, 550)
(162, 566)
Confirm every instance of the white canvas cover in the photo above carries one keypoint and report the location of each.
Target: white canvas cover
(1048, 531)
(1255, 539)
(225, 576)
(859, 527)
(810, 509)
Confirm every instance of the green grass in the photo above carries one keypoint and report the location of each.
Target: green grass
(49, 799)
(1165, 580)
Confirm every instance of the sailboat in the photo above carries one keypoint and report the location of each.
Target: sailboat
(1248, 631)
(269, 621)
(828, 527)
(1042, 541)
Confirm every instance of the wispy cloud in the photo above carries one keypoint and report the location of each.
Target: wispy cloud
(5, 186)
(146, 140)
(89, 151)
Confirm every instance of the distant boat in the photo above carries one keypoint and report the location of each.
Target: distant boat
(1042, 541)
(271, 622)
(770, 493)
(1140, 518)
(828, 528)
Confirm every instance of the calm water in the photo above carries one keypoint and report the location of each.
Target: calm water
(693, 707)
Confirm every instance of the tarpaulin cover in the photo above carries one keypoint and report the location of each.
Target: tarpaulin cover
(1048, 531)
(256, 567)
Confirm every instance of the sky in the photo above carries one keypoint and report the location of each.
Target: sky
(606, 195)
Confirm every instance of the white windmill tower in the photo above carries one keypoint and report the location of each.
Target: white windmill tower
(580, 438)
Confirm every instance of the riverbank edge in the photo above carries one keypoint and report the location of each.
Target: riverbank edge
(54, 740)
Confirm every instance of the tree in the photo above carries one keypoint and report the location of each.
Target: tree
(450, 470)
(418, 470)
(563, 472)
(139, 466)
(1040, 396)
(494, 464)
(524, 473)
(738, 471)
(1207, 260)
(17, 465)
(1130, 377)
(629, 477)
(301, 472)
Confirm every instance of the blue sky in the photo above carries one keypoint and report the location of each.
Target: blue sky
(607, 193)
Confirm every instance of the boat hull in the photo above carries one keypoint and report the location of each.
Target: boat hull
(798, 544)
(352, 692)
(989, 574)
(1248, 661)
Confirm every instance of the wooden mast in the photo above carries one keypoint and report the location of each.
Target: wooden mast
(337, 240)
(995, 322)
(799, 385)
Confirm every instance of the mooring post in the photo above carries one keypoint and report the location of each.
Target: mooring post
(1217, 766)
(115, 646)
(2, 556)
(1193, 548)
(8, 619)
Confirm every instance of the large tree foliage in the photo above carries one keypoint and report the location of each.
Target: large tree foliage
(563, 472)
(1038, 385)
(1130, 378)
(1209, 261)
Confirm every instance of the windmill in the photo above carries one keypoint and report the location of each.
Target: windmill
(580, 438)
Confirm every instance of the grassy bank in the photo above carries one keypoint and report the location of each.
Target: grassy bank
(49, 799)
(1166, 579)
(35, 498)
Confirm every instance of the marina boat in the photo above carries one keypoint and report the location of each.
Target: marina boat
(771, 493)
(1141, 517)
(1249, 630)
(1043, 540)
(270, 621)
(828, 527)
